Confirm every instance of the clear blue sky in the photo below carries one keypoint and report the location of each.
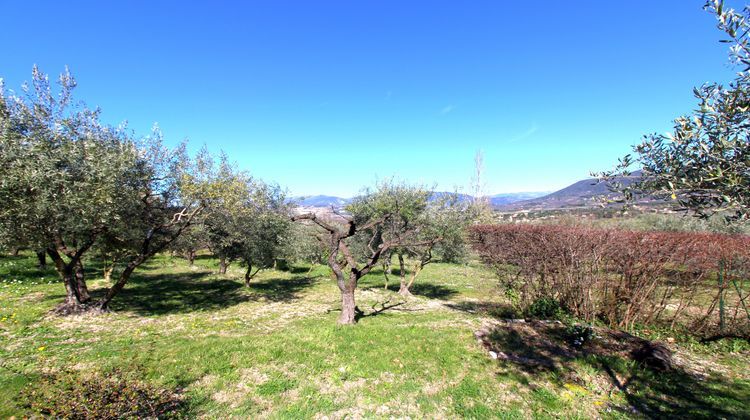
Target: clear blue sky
(324, 97)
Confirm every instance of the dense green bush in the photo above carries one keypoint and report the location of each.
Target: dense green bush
(546, 308)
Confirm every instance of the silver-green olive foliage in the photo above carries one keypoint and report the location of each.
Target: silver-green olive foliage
(416, 220)
(64, 176)
(69, 183)
(251, 227)
(704, 164)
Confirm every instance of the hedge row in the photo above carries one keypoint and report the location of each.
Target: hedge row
(698, 280)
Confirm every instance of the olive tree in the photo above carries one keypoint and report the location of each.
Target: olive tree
(304, 243)
(374, 224)
(249, 229)
(190, 242)
(704, 164)
(174, 191)
(70, 184)
(439, 233)
(64, 176)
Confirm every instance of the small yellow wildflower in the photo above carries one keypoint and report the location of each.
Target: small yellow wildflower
(41, 348)
(576, 389)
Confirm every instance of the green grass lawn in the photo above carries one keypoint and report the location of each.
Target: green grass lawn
(274, 349)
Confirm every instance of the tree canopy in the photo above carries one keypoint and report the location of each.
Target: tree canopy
(70, 183)
(704, 164)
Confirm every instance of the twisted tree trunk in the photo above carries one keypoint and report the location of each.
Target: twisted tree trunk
(71, 273)
(72, 299)
(348, 306)
(404, 288)
(386, 270)
(120, 284)
(83, 290)
(41, 257)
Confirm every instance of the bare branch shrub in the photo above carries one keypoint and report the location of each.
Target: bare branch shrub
(698, 280)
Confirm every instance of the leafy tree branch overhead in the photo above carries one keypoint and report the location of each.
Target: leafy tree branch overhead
(703, 165)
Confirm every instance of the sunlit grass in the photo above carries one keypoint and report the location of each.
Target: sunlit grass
(274, 349)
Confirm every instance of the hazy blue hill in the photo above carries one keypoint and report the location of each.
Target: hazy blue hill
(509, 198)
(584, 193)
(495, 200)
(321, 201)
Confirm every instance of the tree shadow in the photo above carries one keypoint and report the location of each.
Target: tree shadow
(159, 294)
(23, 269)
(432, 291)
(420, 288)
(495, 310)
(676, 393)
(384, 306)
(281, 290)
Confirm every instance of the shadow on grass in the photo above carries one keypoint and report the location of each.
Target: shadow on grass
(160, 294)
(384, 306)
(675, 393)
(492, 309)
(190, 292)
(432, 291)
(299, 269)
(428, 290)
(23, 269)
(157, 294)
(281, 290)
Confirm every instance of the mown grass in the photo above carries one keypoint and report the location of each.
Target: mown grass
(274, 350)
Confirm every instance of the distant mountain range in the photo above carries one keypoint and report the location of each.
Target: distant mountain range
(320, 201)
(338, 202)
(582, 194)
(502, 199)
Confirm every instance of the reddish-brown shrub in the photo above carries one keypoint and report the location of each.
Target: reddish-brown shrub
(625, 277)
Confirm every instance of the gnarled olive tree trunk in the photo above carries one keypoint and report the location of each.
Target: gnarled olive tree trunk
(41, 257)
(249, 273)
(190, 257)
(348, 305)
(83, 290)
(347, 282)
(404, 287)
(71, 273)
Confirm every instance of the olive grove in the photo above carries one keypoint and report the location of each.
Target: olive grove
(73, 186)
